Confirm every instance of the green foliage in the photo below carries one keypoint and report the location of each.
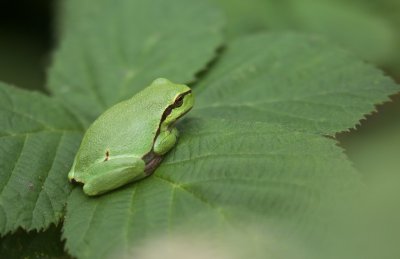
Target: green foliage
(254, 148)
(297, 81)
(219, 171)
(111, 50)
(38, 139)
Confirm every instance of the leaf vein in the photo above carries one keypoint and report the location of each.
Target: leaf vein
(219, 211)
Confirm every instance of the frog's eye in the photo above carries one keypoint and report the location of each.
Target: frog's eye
(179, 101)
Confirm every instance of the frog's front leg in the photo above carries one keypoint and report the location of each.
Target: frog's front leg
(165, 141)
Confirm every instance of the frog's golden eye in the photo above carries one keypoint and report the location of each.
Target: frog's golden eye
(179, 101)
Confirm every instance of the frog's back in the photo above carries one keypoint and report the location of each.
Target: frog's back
(128, 127)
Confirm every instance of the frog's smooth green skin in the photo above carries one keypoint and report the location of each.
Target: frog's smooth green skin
(127, 142)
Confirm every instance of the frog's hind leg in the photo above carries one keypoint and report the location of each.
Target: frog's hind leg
(112, 175)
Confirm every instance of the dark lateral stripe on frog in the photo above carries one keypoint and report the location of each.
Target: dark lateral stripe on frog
(151, 159)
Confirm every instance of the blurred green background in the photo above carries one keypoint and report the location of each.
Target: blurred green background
(369, 29)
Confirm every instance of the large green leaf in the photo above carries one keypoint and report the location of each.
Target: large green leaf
(110, 50)
(38, 139)
(298, 81)
(229, 167)
(260, 157)
(220, 171)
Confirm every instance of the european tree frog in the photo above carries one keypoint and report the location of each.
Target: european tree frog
(127, 142)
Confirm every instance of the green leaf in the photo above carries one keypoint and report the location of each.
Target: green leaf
(110, 50)
(298, 81)
(278, 170)
(220, 171)
(351, 25)
(38, 139)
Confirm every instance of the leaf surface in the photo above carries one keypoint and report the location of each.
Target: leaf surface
(219, 172)
(38, 140)
(255, 152)
(298, 81)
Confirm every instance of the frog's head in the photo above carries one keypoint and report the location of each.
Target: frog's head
(180, 101)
